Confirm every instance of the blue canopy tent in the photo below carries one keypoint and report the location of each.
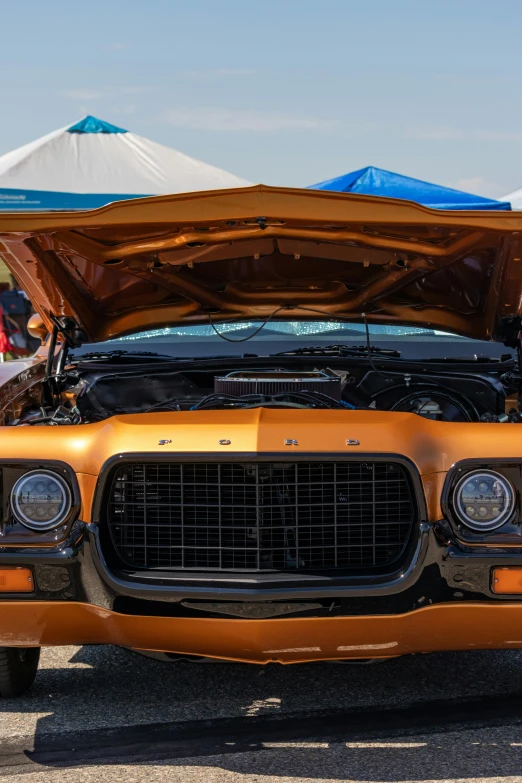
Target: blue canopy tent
(372, 181)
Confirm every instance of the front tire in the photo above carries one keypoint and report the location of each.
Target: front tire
(18, 667)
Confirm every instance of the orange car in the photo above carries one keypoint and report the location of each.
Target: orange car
(263, 425)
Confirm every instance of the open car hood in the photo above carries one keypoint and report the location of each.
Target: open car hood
(254, 252)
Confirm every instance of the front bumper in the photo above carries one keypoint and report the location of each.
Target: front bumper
(294, 640)
(442, 600)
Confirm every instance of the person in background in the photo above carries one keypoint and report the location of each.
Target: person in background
(17, 307)
(5, 343)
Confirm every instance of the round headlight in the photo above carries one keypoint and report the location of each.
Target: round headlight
(483, 500)
(41, 500)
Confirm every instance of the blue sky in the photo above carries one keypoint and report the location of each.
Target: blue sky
(288, 92)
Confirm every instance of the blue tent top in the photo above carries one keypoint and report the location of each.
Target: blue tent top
(372, 181)
(90, 124)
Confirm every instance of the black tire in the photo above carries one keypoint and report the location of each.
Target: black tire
(18, 667)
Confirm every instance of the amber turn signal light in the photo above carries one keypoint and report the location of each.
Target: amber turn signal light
(507, 581)
(15, 579)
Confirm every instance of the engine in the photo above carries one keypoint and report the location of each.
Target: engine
(95, 387)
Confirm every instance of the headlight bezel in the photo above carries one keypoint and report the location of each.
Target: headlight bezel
(14, 533)
(510, 471)
(59, 518)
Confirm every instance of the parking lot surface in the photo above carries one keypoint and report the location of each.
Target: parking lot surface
(103, 711)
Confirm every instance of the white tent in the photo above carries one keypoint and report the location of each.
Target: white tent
(91, 163)
(515, 198)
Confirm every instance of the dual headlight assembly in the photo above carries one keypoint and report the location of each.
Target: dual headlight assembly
(41, 500)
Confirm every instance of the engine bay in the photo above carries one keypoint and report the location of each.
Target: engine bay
(271, 269)
(96, 386)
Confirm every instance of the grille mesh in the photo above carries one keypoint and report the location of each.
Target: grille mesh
(260, 516)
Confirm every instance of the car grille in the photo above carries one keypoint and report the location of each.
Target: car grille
(259, 516)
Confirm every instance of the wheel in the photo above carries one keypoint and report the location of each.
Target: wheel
(18, 667)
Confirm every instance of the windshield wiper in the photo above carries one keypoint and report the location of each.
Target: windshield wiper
(341, 350)
(146, 355)
(122, 354)
(474, 359)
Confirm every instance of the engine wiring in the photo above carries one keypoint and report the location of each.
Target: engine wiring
(287, 308)
(250, 336)
(427, 397)
(287, 399)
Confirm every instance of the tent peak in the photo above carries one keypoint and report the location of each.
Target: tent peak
(90, 124)
(89, 163)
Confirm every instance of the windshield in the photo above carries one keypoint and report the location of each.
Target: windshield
(265, 339)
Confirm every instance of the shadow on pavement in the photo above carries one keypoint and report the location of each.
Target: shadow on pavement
(108, 703)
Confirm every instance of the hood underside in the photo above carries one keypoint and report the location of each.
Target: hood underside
(247, 253)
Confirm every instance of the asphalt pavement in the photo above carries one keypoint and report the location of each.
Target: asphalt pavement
(106, 713)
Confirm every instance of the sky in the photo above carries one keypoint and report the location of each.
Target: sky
(285, 92)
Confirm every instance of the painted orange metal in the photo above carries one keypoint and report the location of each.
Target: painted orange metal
(432, 446)
(432, 484)
(152, 262)
(294, 640)
(87, 485)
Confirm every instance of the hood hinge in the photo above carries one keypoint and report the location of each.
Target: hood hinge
(67, 326)
(510, 329)
(510, 334)
(73, 337)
